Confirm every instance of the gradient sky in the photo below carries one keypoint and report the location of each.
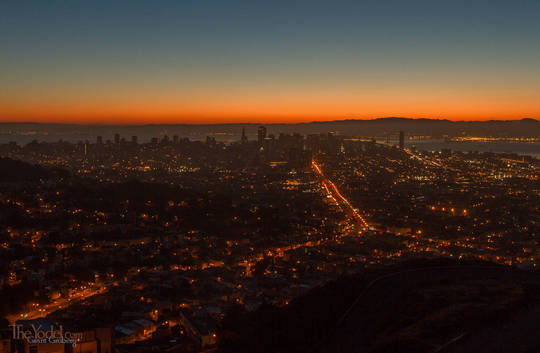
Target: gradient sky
(267, 61)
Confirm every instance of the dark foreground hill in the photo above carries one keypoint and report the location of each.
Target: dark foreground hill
(16, 171)
(422, 306)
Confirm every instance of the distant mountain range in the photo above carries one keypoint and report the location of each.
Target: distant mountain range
(25, 132)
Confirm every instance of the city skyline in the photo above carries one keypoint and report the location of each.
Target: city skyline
(279, 62)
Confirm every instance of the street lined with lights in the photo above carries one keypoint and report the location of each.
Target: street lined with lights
(334, 192)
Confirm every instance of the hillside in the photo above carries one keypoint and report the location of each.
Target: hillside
(15, 171)
(422, 306)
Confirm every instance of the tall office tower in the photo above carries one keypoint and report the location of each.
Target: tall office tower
(99, 140)
(117, 138)
(134, 139)
(165, 139)
(268, 146)
(175, 139)
(401, 139)
(261, 135)
(294, 157)
(244, 137)
(313, 143)
(333, 144)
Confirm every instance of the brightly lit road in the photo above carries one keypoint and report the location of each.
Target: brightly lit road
(333, 191)
(77, 295)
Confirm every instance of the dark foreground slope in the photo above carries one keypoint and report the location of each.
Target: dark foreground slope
(14, 171)
(425, 306)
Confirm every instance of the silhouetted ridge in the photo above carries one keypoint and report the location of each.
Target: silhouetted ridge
(415, 307)
(14, 171)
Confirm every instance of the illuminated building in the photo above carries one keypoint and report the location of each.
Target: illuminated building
(261, 134)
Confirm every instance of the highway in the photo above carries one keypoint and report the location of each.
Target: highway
(334, 192)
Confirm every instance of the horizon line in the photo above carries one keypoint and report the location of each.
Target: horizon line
(263, 123)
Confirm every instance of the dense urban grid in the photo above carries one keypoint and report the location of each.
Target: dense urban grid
(132, 246)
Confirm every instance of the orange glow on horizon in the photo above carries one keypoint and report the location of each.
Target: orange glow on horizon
(114, 119)
(282, 107)
(191, 120)
(266, 102)
(142, 117)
